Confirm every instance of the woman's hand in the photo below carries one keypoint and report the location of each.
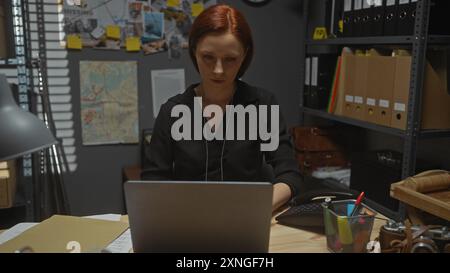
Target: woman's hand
(281, 195)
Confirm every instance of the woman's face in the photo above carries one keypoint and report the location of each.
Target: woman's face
(219, 58)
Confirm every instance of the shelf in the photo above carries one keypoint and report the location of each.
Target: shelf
(8, 63)
(434, 134)
(439, 39)
(380, 40)
(354, 122)
(19, 201)
(425, 134)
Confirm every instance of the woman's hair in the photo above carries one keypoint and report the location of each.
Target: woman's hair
(220, 19)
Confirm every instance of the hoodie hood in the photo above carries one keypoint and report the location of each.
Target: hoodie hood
(245, 95)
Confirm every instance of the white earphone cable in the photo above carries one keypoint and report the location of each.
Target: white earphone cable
(223, 146)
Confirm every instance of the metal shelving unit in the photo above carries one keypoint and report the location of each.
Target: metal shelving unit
(424, 134)
(419, 43)
(19, 11)
(398, 40)
(354, 122)
(38, 170)
(8, 63)
(381, 40)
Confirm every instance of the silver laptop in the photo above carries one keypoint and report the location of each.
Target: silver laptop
(199, 217)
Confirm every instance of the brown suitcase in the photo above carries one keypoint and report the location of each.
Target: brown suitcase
(317, 147)
(311, 161)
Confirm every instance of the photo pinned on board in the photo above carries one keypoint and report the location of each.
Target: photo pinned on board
(158, 4)
(175, 46)
(84, 27)
(135, 12)
(153, 27)
(154, 47)
(108, 44)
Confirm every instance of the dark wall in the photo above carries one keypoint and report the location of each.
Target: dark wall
(96, 185)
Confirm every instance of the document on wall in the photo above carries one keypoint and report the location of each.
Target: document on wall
(165, 84)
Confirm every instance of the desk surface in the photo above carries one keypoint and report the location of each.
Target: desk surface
(285, 239)
(282, 239)
(290, 240)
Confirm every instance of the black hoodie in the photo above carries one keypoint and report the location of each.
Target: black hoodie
(234, 160)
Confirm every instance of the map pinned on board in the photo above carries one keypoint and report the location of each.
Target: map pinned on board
(109, 102)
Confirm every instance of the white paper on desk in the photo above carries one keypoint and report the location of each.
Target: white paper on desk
(109, 217)
(166, 84)
(15, 231)
(122, 244)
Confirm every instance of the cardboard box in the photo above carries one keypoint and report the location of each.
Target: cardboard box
(360, 87)
(3, 40)
(384, 68)
(347, 85)
(7, 185)
(371, 93)
(401, 92)
(435, 98)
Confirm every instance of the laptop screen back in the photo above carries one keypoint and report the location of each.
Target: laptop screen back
(199, 217)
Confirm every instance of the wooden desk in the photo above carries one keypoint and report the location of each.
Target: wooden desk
(291, 240)
(282, 239)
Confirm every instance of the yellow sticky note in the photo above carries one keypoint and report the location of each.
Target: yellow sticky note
(173, 3)
(113, 32)
(74, 42)
(133, 44)
(197, 8)
(320, 33)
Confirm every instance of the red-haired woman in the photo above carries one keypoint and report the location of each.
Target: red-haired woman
(221, 48)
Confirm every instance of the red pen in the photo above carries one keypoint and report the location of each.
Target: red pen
(357, 204)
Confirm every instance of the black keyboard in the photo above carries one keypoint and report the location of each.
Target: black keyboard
(307, 208)
(304, 215)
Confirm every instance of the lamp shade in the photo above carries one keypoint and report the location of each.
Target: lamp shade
(21, 132)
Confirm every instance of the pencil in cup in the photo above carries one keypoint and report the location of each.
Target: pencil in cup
(347, 234)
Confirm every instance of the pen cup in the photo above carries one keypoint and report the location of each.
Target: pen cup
(345, 233)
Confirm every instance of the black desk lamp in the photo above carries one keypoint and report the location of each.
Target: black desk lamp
(21, 132)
